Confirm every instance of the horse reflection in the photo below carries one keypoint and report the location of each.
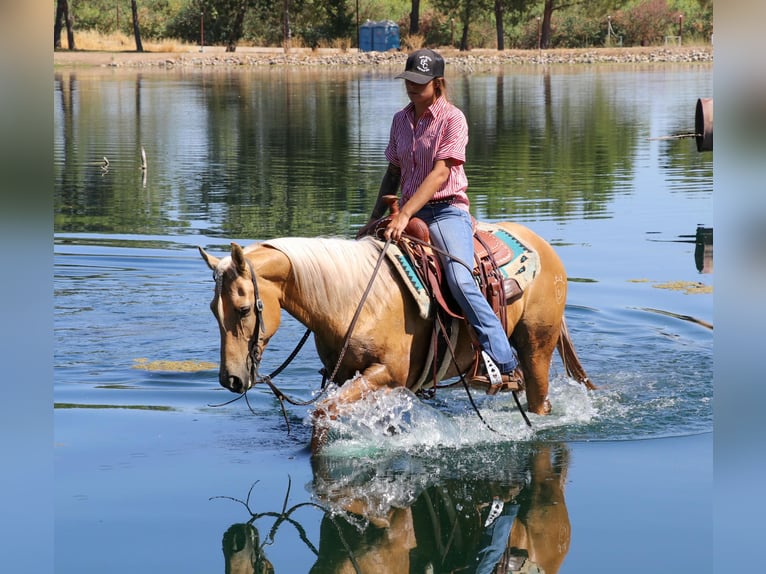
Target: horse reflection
(242, 551)
(517, 522)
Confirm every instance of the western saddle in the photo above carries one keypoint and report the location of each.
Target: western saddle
(490, 254)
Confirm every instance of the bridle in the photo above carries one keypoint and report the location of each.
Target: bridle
(255, 348)
(255, 351)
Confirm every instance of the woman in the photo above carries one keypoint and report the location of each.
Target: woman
(426, 152)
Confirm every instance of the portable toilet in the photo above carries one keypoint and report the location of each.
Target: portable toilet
(365, 36)
(378, 36)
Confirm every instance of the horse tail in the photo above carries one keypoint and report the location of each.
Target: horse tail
(570, 359)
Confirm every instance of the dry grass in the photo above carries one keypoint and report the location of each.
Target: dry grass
(118, 42)
(413, 41)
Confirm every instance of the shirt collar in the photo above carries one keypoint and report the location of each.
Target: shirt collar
(436, 109)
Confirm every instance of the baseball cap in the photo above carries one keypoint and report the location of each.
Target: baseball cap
(423, 66)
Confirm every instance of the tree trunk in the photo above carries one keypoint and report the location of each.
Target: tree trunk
(415, 17)
(466, 20)
(545, 34)
(70, 29)
(136, 30)
(236, 28)
(499, 24)
(287, 33)
(62, 14)
(60, 6)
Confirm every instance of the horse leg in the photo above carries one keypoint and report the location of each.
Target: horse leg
(374, 377)
(535, 349)
(535, 368)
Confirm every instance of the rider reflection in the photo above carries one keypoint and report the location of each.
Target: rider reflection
(462, 524)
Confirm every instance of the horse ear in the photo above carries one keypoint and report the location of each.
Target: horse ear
(238, 257)
(211, 261)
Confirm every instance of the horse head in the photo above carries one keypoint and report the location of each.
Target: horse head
(247, 313)
(242, 551)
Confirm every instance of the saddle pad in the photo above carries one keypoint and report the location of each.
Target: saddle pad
(410, 278)
(524, 262)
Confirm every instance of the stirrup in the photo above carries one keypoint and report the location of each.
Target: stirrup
(494, 381)
(494, 511)
(493, 372)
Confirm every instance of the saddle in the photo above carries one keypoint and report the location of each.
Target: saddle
(490, 253)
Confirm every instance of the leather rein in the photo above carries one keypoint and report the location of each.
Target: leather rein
(255, 349)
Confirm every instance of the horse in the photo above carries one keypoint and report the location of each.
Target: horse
(321, 281)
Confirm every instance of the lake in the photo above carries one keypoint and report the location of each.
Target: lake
(154, 472)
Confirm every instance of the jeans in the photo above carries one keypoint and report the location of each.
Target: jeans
(451, 231)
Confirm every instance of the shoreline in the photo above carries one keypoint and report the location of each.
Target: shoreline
(215, 56)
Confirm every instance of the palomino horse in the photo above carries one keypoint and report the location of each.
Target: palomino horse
(321, 282)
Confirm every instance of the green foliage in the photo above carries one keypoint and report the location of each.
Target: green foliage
(109, 16)
(576, 29)
(392, 10)
(697, 17)
(319, 22)
(644, 23)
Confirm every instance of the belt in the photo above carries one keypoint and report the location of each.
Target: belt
(447, 201)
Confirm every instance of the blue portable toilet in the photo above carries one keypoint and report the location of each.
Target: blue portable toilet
(378, 36)
(365, 36)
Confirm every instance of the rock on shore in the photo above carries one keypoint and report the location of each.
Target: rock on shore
(470, 60)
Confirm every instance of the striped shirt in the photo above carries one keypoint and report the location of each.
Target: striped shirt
(441, 133)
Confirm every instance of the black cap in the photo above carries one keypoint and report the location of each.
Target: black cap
(423, 66)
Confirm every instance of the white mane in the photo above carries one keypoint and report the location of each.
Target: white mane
(332, 273)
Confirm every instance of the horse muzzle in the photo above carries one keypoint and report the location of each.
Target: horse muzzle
(236, 384)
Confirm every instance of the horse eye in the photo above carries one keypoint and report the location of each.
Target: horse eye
(244, 311)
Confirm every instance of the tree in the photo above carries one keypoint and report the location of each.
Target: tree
(62, 13)
(466, 23)
(227, 18)
(499, 24)
(594, 7)
(545, 32)
(235, 31)
(415, 17)
(339, 22)
(136, 30)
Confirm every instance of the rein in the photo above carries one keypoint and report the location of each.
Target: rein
(255, 349)
(443, 330)
(351, 326)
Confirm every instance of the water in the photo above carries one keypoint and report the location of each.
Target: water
(150, 470)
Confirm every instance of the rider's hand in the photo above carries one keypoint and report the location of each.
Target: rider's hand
(396, 226)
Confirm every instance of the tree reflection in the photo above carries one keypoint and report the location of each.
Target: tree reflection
(258, 154)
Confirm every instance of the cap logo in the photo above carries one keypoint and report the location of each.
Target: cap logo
(424, 65)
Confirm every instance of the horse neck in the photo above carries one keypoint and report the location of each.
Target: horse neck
(276, 280)
(329, 290)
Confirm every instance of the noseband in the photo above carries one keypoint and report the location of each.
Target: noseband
(254, 347)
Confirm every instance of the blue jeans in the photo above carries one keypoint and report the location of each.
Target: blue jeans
(450, 229)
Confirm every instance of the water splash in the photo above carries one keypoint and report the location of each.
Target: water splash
(397, 420)
(626, 406)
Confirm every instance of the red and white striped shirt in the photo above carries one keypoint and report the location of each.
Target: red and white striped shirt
(441, 133)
